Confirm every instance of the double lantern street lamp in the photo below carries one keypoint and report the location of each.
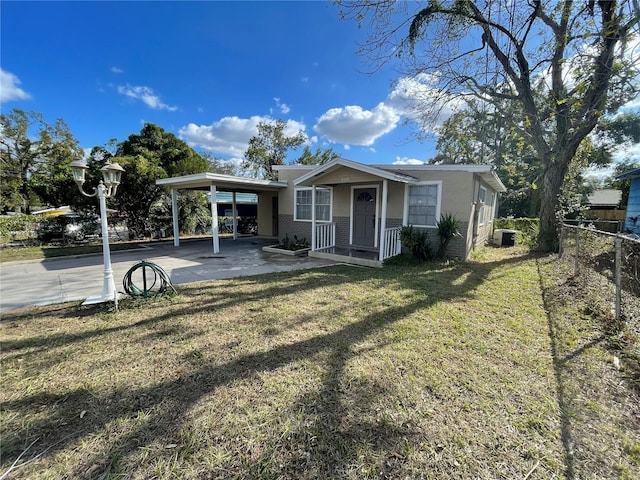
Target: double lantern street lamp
(111, 174)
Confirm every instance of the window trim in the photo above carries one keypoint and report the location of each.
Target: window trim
(295, 204)
(482, 204)
(405, 213)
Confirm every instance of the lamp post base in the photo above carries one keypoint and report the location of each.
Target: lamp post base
(102, 299)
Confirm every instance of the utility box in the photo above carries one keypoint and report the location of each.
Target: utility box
(504, 237)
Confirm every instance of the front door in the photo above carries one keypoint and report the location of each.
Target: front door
(364, 217)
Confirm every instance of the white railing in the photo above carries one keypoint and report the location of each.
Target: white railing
(392, 245)
(325, 235)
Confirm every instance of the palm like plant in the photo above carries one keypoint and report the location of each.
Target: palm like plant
(448, 228)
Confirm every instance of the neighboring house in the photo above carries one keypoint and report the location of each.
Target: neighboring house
(632, 220)
(602, 206)
(354, 212)
(605, 199)
(246, 204)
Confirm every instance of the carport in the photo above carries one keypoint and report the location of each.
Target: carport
(214, 182)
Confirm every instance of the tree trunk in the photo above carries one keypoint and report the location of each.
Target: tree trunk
(24, 190)
(548, 236)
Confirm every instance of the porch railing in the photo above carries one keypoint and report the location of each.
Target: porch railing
(325, 235)
(392, 244)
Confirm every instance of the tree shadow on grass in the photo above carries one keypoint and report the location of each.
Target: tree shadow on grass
(168, 402)
(573, 341)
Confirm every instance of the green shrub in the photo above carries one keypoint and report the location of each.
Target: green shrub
(295, 243)
(528, 228)
(415, 241)
(20, 222)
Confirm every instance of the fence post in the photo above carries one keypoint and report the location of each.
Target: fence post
(577, 270)
(618, 275)
(561, 240)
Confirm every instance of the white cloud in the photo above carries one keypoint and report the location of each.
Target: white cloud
(146, 96)
(356, 126)
(633, 104)
(116, 70)
(408, 161)
(418, 99)
(230, 135)
(284, 108)
(9, 88)
(627, 152)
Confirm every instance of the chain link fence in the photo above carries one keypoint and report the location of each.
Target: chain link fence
(606, 267)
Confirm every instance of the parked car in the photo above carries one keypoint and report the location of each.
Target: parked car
(70, 227)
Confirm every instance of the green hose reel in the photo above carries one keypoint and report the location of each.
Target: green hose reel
(155, 281)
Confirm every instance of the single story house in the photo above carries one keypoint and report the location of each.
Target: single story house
(632, 219)
(354, 212)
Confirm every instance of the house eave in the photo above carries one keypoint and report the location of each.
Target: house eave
(629, 175)
(314, 176)
(200, 181)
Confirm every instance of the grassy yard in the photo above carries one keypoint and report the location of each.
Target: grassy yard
(9, 254)
(450, 371)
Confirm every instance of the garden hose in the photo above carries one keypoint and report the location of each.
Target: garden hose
(161, 282)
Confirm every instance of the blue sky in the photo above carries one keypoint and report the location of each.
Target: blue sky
(209, 72)
(205, 71)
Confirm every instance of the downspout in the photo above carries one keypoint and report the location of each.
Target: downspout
(174, 215)
(476, 213)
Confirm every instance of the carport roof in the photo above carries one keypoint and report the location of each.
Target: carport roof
(203, 181)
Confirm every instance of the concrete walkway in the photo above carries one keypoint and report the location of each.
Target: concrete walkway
(55, 280)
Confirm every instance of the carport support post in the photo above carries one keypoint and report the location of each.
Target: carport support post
(234, 208)
(174, 213)
(214, 220)
(313, 217)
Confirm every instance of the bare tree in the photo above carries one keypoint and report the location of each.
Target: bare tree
(566, 63)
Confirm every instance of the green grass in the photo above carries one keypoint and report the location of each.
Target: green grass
(9, 254)
(436, 371)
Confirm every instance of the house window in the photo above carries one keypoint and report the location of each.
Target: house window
(302, 207)
(489, 207)
(482, 196)
(486, 204)
(423, 204)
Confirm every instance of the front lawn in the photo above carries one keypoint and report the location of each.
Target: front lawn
(10, 254)
(449, 371)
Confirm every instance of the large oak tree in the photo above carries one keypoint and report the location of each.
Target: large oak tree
(34, 161)
(565, 63)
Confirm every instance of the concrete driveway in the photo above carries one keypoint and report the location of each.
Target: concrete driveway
(64, 279)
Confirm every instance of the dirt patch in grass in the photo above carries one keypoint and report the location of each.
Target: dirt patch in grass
(437, 371)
